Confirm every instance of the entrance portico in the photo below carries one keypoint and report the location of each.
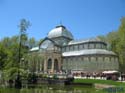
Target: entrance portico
(52, 64)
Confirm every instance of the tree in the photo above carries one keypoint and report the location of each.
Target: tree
(24, 24)
(6, 42)
(3, 56)
(13, 49)
(121, 44)
(23, 38)
(35, 61)
(32, 42)
(116, 39)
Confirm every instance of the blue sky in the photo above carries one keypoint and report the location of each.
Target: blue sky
(84, 18)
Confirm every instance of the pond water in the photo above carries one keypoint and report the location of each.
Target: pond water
(50, 89)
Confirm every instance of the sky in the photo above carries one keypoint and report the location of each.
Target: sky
(83, 18)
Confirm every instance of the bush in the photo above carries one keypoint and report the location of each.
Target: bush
(32, 78)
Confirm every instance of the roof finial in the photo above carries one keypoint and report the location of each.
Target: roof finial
(60, 23)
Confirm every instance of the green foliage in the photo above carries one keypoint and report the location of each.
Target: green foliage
(11, 73)
(9, 54)
(32, 42)
(3, 56)
(55, 76)
(9, 51)
(24, 24)
(116, 40)
(32, 78)
(93, 81)
(35, 59)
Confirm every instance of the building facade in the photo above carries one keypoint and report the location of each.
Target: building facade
(60, 52)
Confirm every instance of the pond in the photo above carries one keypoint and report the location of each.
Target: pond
(50, 89)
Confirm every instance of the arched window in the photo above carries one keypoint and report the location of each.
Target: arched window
(49, 63)
(56, 65)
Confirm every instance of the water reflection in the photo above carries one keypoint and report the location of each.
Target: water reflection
(49, 89)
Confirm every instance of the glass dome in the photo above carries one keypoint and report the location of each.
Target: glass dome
(60, 31)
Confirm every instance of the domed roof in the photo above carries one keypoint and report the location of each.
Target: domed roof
(59, 31)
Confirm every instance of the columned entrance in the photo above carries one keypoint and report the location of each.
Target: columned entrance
(52, 62)
(53, 65)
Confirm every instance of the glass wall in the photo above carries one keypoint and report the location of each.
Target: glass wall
(67, 48)
(91, 46)
(75, 47)
(71, 48)
(98, 46)
(85, 46)
(80, 47)
(63, 49)
(91, 63)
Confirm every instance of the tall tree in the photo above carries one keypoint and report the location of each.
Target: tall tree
(24, 25)
(121, 44)
(116, 39)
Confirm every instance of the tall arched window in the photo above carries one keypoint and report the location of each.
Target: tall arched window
(56, 65)
(49, 65)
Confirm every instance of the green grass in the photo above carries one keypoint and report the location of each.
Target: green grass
(108, 82)
(93, 81)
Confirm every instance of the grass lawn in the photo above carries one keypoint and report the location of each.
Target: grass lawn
(93, 81)
(108, 82)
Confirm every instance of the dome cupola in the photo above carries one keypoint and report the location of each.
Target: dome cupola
(60, 31)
